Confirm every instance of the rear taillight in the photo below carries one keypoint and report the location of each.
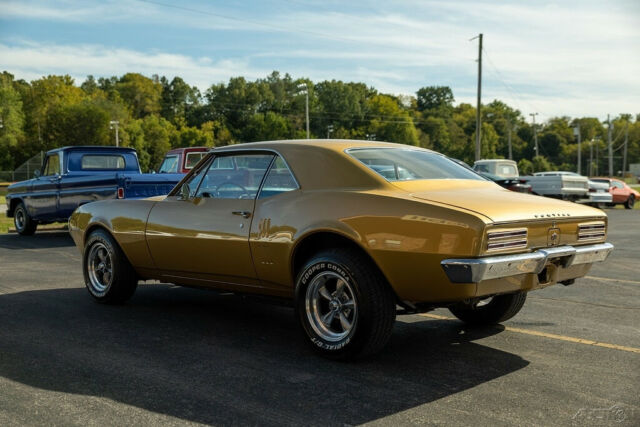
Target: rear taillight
(120, 193)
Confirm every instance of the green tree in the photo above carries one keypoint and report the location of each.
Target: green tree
(11, 121)
(390, 122)
(158, 133)
(435, 99)
(141, 93)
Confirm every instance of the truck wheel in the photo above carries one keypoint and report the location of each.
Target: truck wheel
(108, 275)
(629, 203)
(344, 305)
(23, 222)
(490, 311)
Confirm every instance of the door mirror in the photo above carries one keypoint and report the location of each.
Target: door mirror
(185, 192)
(36, 173)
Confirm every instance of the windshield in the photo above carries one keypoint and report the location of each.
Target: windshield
(405, 164)
(169, 165)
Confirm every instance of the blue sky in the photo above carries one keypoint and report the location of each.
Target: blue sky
(576, 58)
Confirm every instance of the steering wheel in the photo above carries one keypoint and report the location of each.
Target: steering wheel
(243, 190)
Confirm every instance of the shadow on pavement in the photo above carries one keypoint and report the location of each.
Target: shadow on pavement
(40, 240)
(211, 358)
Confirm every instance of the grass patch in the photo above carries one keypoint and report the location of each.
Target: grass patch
(5, 222)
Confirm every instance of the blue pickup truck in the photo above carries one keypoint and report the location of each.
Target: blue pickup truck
(73, 176)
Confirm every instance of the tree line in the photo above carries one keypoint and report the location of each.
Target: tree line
(156, 114)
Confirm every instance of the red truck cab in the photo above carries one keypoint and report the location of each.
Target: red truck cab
(182, 160)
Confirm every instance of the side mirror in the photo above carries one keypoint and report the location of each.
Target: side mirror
(36, 173)
(185, 192)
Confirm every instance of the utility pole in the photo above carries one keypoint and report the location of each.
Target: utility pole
(535, 132)
(510, 128)
(624, 152)
(479, 105)
(591, 157)
(576, 132)
(305, 88)
(610, 148)
(113, 124)
(329, 130)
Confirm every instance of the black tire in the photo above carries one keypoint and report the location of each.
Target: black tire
(108, 275)
(497, 310)
(371, 315)
(630, 201)
(25, 226)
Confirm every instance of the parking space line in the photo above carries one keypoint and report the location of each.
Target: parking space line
(551, 336)
(606, 279)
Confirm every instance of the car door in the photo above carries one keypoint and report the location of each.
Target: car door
(618, 192)
(43, 200)
(206, 235)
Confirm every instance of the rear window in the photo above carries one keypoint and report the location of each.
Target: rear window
(193, 159)
(102, 161)
(405, 164)
(506, 170)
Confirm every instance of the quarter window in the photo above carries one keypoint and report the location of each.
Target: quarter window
(278, 180)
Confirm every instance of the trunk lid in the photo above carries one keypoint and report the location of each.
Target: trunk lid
(494, 202)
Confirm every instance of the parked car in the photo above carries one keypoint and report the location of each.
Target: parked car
(559, 185)
(513, 184)
(598, 194)
(503, 168)
(73, 176)
(621, 193)
(326, 225)
(182, 160)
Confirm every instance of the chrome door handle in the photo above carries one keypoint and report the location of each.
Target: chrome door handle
(243, 214)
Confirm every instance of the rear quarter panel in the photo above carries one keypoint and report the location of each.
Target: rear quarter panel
(406, 238)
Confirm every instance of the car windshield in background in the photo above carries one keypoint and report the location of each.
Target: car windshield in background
(169, 165)
(400, 164)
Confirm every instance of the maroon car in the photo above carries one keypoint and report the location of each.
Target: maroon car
(182, 160)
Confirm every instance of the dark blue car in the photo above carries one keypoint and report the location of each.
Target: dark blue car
(73, 176)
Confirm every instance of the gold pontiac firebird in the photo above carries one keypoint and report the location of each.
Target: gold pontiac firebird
(353, 232)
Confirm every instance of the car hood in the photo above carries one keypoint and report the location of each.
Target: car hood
(494, 202)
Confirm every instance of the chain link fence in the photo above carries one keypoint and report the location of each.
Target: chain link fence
(24, 171)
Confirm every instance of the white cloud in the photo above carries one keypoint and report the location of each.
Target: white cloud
(33, 60)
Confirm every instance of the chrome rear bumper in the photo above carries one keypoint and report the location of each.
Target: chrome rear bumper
(495, 267)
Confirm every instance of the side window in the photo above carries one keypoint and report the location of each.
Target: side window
(192, 159)
(617, 184)
(481, 168)
(278, 180)
(52, 166)
(235, 177)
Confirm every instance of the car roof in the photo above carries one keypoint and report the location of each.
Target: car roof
(310, 159)
(90, 148)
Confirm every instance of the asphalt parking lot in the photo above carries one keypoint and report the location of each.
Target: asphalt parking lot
(178, 356)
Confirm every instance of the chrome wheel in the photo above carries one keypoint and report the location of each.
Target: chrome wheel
(331, 306)
(19, 219)
(100, 268)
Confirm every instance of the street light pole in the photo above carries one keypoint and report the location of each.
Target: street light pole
(609, 145)
(479, 100)
(535, 132)
(306, 92)
(576, 132)
(113, 124)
